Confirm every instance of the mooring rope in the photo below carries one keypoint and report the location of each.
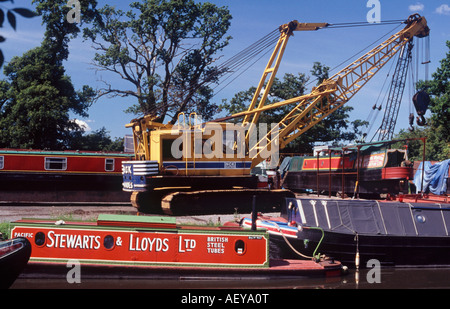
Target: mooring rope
(290, 245)
(315, 256)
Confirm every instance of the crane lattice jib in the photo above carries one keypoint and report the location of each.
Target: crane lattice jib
(386, 129)
(334, 92)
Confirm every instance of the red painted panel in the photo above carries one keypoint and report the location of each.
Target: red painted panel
(397, 173)
(324, 163)
(80, 164)
(145, 247)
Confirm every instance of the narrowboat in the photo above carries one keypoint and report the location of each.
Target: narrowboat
(63, 176)
(153, 245)
(14, 256)
(366, 170)
(410, 232)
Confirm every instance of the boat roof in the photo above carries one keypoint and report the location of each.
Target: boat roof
(64, 152)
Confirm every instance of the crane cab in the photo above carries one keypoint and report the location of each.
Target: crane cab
(164, 152)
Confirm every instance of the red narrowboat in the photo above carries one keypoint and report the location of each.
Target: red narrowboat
(37, 175)
(155, 244)
(367, 170)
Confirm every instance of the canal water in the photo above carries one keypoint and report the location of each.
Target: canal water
(387, 278)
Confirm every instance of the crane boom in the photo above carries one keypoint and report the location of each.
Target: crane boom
(334, 92)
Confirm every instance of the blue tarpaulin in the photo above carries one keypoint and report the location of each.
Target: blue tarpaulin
(435, 177)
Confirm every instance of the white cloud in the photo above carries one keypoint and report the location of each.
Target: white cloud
(418, 7)
(83, 124)
(444, 9)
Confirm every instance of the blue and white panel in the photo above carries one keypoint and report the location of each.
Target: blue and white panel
(272, 227)
(135, 174)
(207, 165)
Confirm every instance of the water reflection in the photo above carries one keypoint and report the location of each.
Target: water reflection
(390, 278)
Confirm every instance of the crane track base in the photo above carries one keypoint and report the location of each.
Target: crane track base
(227, 201)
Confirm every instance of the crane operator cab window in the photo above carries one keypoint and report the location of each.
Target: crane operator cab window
(233, 144)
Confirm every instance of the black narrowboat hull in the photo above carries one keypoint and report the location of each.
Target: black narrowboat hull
(60, 188)
(395, 251)
(44, 181)
(14, 256)
(371, 183)
(395, 233)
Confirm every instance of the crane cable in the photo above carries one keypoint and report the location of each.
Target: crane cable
(260, 48)
(365, 23)
(347, 60)
(241, 59)
(245, 59)
(379, 108)
(235, 64)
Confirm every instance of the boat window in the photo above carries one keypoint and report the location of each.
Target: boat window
(108, 242)
(2, 162)
(395, 158)
(55, 164)
(109, 165)
(420, 218)
(239, 246)
(39, 239)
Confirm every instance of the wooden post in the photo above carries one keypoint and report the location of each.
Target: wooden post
(254, 214)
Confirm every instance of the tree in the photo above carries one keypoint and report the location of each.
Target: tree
(438, 130)
(35, 103)
(98, 140)
(439, 89)
(37, 96)
(335, 128)
(166, 50)
(59, 30)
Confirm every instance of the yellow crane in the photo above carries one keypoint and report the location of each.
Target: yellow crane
(195, 167)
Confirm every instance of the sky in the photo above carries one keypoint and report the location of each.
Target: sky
(253, 19)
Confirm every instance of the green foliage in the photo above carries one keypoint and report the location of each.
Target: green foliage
(5, 230)
(36, 100)
(36, 97)
(165, 50)
(437, 131)
(98, 140)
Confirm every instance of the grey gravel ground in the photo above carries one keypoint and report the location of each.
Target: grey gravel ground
(82, 212)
